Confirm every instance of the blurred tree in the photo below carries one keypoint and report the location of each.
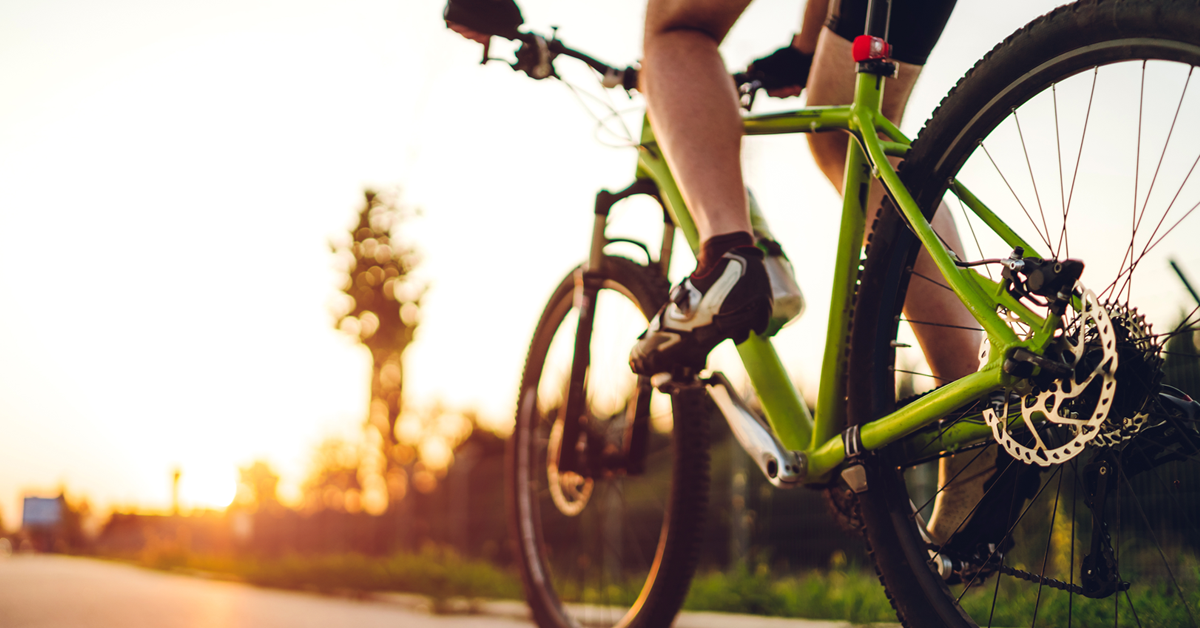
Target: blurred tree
(381, 310)
(71, 536)
(257, 487)
(333, 482)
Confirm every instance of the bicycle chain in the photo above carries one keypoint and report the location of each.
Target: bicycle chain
(1018, 573)
(1032, 577)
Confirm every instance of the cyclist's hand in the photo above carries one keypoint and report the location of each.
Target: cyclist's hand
(783, 73)
(483, 18)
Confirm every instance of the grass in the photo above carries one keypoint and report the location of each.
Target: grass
(437, 572)
(854, 594)
(848, 594)
(842, 592)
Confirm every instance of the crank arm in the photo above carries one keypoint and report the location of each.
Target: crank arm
(783, 468)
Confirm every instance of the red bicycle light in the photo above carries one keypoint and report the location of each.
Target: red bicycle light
(866, 47)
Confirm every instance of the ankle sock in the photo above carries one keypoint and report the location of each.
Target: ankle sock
(713, 248)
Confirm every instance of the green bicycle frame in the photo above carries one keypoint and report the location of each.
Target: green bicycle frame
(819, 438)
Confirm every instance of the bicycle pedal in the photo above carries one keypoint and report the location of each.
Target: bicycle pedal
(670, 383)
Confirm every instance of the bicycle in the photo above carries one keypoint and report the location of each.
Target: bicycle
(1094, 451)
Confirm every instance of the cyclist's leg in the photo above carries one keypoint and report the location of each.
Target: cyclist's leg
(951, 352)
(694, 108)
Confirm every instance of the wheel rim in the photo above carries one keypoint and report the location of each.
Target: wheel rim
(596, 559)
(1051, 169)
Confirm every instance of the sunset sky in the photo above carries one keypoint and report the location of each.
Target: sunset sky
(171, 174)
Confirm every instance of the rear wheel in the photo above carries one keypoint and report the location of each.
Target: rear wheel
(1079, 133)
(615, 545)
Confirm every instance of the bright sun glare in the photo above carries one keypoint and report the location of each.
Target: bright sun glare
(207, 488)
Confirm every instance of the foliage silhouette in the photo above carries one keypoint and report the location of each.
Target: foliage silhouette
(382, 311)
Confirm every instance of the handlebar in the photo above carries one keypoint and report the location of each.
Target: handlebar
(536, 56)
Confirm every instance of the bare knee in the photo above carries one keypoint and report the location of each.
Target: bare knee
(710, 19)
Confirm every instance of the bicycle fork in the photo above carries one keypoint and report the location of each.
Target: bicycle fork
(577, 438)
(583, 450)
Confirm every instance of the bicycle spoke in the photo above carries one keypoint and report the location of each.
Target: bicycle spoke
(929, 375)
(1071, 562)
(1180, 328)
(971, 226)
(1137, 167)
(1153, 537)
(1177, 223)
(948, 483)
(912, 322)
(1033, 181)
(1062, 192)
(933, 281)
(946, 425)
(1162, 156)
(1132, 609)
(1128, 273)
(1145, 203)
(1046, 555)
(1087, 116)
(995, 596)
(1008, 534)
(1011, 462)
(1041, 235)
(1179, 507)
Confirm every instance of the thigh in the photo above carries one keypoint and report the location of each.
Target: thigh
(712, 17)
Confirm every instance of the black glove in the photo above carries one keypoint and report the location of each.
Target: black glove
(786, 67)
(493, 17)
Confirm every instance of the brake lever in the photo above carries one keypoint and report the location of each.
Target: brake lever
(747, 92)
(535, 59)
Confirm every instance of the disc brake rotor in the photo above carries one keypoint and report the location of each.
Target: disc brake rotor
(1080, 402)
(569, 490)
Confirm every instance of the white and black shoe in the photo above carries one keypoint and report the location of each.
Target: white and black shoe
(729, 301)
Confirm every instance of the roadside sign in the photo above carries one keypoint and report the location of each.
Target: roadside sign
(41, 511)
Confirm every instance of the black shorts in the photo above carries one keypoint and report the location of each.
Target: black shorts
(915, 28)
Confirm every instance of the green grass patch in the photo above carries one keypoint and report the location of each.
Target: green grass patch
(843, 592)
(437, 572)
(852, 594)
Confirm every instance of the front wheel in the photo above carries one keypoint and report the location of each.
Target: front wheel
(616, 543)
(1078, 132)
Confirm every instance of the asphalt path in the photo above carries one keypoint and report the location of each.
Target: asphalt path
(49, 591)
(43, 591)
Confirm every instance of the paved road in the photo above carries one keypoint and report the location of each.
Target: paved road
(62, 592)
(46, 591)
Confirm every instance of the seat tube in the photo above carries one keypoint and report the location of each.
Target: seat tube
(831, 398)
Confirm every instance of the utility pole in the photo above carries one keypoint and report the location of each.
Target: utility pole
(175, 475)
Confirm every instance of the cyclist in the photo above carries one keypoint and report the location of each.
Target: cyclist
(694, 108)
